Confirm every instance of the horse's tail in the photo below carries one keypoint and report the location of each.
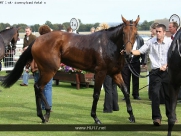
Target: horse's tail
(16, 73)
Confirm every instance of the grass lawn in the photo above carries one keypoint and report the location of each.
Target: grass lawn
(72, 106)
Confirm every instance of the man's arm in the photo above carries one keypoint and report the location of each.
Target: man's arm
(135, 52)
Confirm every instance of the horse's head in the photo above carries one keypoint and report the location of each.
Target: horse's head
(129, 34)
(15, 37)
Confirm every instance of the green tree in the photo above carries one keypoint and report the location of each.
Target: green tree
(66, 25)
(49, 24)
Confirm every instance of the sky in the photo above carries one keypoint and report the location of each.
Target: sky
(88, 11)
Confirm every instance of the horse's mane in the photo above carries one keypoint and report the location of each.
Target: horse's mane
(6, 29)
(112, 28)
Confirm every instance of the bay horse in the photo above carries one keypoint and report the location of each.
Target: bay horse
(174, 71)
(98, 53)
(6, 36)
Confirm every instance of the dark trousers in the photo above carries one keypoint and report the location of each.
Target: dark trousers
(162, 97)
(111, 95)
(127, 74)
(159, 79)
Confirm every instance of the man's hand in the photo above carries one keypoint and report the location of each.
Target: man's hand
(122, 52)
(144, 66)
(163, 68)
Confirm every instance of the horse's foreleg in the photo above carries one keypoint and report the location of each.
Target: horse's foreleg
(128, 102)
(119, 81)
(96, 94)
(39, 96)
(173, 92)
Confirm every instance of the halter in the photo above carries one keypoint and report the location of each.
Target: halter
(129, 33)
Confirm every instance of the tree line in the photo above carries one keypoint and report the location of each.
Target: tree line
(82, 28)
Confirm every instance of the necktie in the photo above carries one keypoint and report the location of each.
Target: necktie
(172, 37)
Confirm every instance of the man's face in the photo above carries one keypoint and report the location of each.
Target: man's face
(28, 32)
(160, 33)
(172, 29)
(153, 32)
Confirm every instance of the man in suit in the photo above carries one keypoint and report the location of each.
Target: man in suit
(135, 63)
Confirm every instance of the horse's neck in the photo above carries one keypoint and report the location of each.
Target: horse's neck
(7, 36)
(116, 36)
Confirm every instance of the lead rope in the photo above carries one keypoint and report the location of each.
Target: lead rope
(134, 72)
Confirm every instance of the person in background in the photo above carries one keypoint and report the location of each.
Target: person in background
(135, 63)
(29, 38)
(69, 30)
(98, 29)
(157, 49)
(173, 26)
(153, 34)
(92, 30)
(34, 69)
(153, 29)
(110, 87)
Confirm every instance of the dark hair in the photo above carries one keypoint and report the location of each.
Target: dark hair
(162, 26)
(28, 27)
(44, 29)
(69, 29)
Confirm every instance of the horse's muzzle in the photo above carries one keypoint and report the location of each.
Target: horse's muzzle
(127, 55)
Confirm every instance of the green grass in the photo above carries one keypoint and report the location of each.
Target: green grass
(72, 106)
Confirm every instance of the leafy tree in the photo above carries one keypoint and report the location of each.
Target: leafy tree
(49, 24)
(66, 25)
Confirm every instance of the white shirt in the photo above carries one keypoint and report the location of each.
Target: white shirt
(134, 46)
(157, 51)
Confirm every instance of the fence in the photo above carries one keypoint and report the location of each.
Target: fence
(11, 56)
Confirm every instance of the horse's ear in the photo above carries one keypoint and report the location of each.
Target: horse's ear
(123, 19)
(137, 20)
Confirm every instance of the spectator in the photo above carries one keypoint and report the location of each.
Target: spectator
(69, 30)
(29, 38)
(92, 30)
(153, 29)
(153, 34)
(135, 63)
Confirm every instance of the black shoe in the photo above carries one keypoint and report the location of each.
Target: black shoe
(137, 98)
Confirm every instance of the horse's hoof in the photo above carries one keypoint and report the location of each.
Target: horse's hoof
(97, 121)
(132, 119)
(46, 118)
(43, 121)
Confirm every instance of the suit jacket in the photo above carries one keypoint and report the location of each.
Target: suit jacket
(140, 43)
(27, 42)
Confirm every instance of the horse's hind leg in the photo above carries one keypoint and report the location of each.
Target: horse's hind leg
(43, 80)
(99, 77)
(39, 96)
(119, 80)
